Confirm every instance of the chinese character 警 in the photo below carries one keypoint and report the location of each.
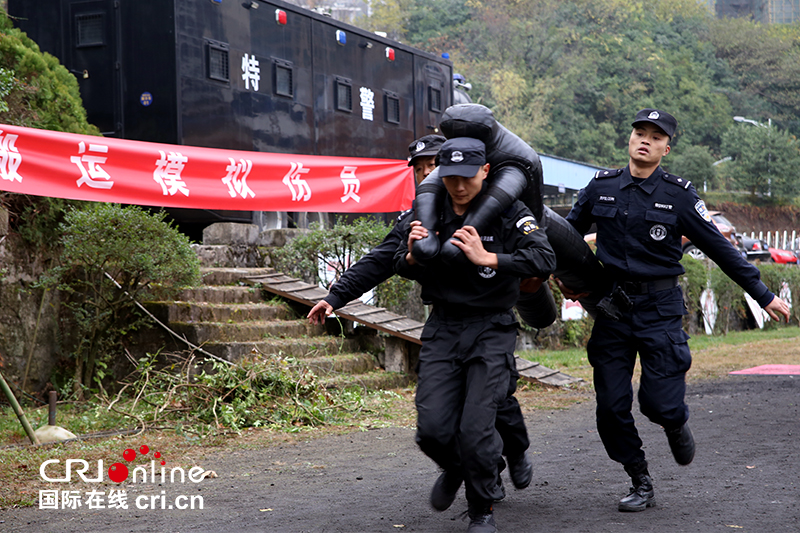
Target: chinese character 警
(367, 103)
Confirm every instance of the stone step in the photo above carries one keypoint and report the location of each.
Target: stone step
(230, 276)
(216, 312)
(350, 363)
(203, 332)
(218, 295)
(300, 348)
(377, 379)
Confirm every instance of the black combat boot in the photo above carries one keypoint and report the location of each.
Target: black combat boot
(521, 470)
(444, 490)
(481, 519)
(641, 495)
(681, 442)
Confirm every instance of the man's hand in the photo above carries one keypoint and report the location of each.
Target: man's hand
(569, 294)
(418, 232)
(777, 306)
(320, 312)
(469, 242)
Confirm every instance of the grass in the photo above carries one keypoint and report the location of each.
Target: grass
(714, 357)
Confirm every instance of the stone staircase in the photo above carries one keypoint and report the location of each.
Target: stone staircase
(234, 321)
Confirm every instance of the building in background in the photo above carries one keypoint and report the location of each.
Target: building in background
(763, 11)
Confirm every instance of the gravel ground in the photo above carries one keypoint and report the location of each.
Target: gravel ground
(744, 478)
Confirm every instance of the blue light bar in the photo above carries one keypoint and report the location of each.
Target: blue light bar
(341, 37)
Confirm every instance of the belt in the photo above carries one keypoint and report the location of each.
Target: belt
(644, 287)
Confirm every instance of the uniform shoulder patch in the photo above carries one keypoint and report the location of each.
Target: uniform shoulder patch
(611, 173)
(701, 209)
(677, 180)
(527, 225)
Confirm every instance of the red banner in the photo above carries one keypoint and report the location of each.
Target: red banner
(102, 169)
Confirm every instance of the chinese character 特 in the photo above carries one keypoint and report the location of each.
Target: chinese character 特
(251, 73)
(10, 158)
(293, 178)
(94, 171)
(48, 499)
(117, 499)
(168, 173)
(351, 184)
(237, 176)
(367, 103)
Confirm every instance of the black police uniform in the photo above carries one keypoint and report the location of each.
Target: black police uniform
(468, 344)
(639, 228)
(378, 266)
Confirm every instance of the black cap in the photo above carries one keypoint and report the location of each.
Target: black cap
(427, 146)
(462, 156)
(663, 120)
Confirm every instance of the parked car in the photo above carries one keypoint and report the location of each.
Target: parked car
(723, 225)
(784, 257)
(754, 249)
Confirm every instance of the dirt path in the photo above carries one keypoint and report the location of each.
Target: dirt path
(745, 477)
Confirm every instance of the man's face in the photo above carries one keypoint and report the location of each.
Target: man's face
(423, 166)
(463, 190)
(648, 144)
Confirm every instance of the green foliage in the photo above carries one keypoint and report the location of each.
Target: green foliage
(336, 249)
(693, 283)
(141, 252)
(271, 391)
(765, 160)
(694, 163)
(779, 278)
(43, 93)
(729, 298)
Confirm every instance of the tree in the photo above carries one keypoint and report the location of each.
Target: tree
(694, 163)
(765, 160)
(141, 252)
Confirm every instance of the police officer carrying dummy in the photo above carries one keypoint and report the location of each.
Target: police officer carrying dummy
(468, 342)
(641, 212)
(378, 266)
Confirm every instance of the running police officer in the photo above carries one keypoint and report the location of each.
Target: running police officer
(641, 212)
(467, 354)
(378, 266)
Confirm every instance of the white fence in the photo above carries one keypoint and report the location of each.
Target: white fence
(785, 240)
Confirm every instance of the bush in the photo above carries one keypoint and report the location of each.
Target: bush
(336, 249)
(145, 255)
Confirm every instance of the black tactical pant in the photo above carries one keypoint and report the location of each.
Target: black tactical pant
(465, 369)
(652, 329)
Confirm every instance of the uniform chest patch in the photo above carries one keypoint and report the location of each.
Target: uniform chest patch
(486, 272)
(527, 225)
(666, 207)
(700, 207)
(607, 199)
(487, 238)
(658, 232)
